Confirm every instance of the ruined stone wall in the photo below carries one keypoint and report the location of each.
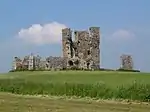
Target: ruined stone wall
(95, 43)
(56, 62)
(37, 60)
(67, 42)
(17, 63)
(82, 40)
(84, 52)
(25, 62)
(43, 65)
(126, 62)
(31, 62)
(83, 46)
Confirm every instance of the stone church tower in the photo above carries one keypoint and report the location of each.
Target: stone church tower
(84, 52)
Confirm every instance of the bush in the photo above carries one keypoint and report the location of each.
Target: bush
(124, 70)
(104, 69)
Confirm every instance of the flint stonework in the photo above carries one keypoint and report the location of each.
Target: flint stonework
(81, 53)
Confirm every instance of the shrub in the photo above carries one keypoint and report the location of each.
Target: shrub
(124, 70)
(104, 69)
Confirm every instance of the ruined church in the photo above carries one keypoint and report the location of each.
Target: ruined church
(81, 50)
(81, 53)
(84, 51)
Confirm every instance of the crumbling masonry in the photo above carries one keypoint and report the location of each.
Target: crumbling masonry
(126, 62)
(82, 53)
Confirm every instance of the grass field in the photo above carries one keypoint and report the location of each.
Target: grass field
(15, 103)
(73, 83)
(111, 79)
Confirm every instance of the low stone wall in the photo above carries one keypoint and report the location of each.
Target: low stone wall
(56, 62)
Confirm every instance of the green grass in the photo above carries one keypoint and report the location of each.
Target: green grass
(94, 84)
(16, 103)
(111, 79)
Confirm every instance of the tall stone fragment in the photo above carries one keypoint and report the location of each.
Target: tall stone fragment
(84, 50)
(17, 63)
(95, 43)
(67, 42)
(126, 62)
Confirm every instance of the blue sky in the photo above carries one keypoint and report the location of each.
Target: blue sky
(34, 26)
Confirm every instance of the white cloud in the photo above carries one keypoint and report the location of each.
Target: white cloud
(42, 34)
(122, 34)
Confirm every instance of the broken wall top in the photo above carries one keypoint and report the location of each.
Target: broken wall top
(91, 32)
